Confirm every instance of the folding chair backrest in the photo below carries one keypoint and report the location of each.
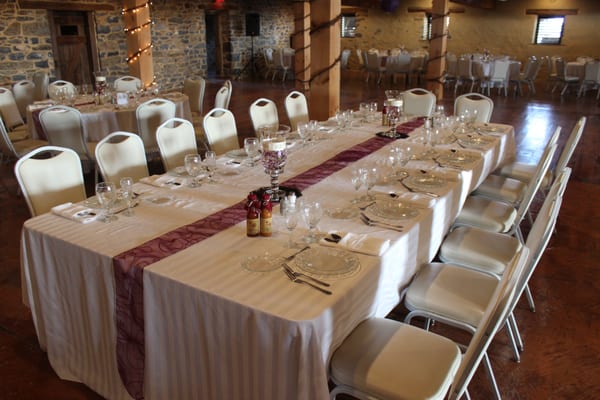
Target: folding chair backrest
(220, 130)
(296, 108)
(175, 138)
(121, 154)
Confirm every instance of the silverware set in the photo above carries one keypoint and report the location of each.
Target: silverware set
(299, 277)
(371, 222)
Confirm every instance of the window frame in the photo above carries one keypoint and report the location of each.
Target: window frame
(348, 30)
(540, 18)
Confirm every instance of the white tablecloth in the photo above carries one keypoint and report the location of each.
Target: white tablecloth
(101, 120)
(214, 330)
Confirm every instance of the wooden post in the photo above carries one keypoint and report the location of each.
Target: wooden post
(301, 44)
(138, 23)
(325, 57)
(437, 48)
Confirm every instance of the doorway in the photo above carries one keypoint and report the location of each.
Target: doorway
(72, 42)
(214, 45)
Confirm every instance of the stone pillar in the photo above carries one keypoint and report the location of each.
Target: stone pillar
(301, 44)
(437, 48)
(325, 58)
(138, 23)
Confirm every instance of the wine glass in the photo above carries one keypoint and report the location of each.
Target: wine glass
(274, 157)
(193, 166)
(126, 184)
(291, 222)
(369, 179)
(210, 162)
(252, 147)
(357, 181)
(312, 213)
(106, 193)
(304, 133)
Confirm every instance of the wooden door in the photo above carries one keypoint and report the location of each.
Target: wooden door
(72, 46)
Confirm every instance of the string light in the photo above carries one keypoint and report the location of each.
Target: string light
(136, 9)
(138, 53)
(139, 28)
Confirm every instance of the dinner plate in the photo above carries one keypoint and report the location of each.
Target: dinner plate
(392, 210)
(178, 171)
(262, 263)
(237, 154)
(424, 181)
(327, 262)
(342, 213)
(473, 141)
(456, 158)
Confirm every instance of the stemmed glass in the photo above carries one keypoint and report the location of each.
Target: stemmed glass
(252, 148)
(312, 213)
(304, 133)
(274, 157)
(106, 193)
(357, 180)
(126, 184)
(193, 166)
(210, 162)
(369, 179)
(291, 221)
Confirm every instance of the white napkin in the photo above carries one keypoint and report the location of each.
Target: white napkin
(75, 212)
(165, 181)
(360, 243)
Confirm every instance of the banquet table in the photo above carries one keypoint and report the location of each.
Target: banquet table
(193, 323)
(100, 120)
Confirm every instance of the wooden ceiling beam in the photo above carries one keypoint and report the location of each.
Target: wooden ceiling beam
(64, 6)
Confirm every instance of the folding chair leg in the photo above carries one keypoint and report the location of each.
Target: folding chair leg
(529, 298)
(513, 322)
(491, 376)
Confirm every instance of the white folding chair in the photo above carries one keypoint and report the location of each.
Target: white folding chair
(23, 92)
(223, 95)
(14, 150)
(60, 86)
(373, 66)
(590, 77)
(280, 64)
(121, 154)
(476, 103)
(464, 68)
(53, 178)
(64, 128)
(296, 108)
(9, 111)
(263, 112)
(269, 63)
(418, 102)
(41, 81)
(220, 130)
(499, 77)
(127, 83)
(150, 115)
(175, 138)
(194, 89)
(398, 65)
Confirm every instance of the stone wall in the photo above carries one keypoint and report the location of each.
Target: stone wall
(178, 36)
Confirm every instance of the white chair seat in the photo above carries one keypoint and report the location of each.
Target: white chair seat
(19, 133)
(391, 360)
(523, 172)
(501, 188)
(452, 291)
(487, 214)
(478, 249)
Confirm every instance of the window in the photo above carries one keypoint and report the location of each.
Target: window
(549, 29)
(348, 25)
(426, 33)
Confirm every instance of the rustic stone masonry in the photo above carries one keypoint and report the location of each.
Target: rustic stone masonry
(178, 37)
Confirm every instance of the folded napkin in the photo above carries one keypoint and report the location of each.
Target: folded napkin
(168, 181)
(360, 243)
(75, 212)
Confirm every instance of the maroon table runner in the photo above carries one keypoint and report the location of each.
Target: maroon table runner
(129, 265)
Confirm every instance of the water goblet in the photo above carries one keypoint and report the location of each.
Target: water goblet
(304, 133)
(252, 148)
(312, 213)
(106, 193)
(291, 222)
(357, 181)
(126, 184)
(193, 166)
(373, 111)
(370, 177)
(210, 162)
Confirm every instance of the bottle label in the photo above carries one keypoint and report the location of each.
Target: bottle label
(252, 227)
(266, 226)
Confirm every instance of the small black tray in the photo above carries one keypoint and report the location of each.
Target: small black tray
(286, 189)
(388, 136)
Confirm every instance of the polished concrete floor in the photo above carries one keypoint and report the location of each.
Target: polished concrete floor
(562, 342)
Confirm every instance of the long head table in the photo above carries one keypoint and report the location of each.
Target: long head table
(183, 320)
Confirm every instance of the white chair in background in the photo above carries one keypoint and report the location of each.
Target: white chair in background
(562, 78)
(280, 64)
(418, 102)
(417, 67)
(398, 65)
(41, 81)
(127, 83)
(64, 128)
(150, 115)
(14, 150)
(221, 130)
(474, 102)
(451, 69)
(499, 77)
(590, 77)
(263, 112)
(23, 92)
(175, 138)
(383, 358)
(17, 129)
(194, 89)
(50, 181)
(296, 108)
(121, 154)
(464, 73)
(223, 95)
(57, 87)
(269, 63)
(529, 75)
(344, 57)
(373, 66)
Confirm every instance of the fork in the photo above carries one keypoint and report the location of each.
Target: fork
(370, 222)
(417, 191)
(295, 279)
(300, 274)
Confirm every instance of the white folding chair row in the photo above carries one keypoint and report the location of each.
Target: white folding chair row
(387, 359)
(475, 103)
(49, 176)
